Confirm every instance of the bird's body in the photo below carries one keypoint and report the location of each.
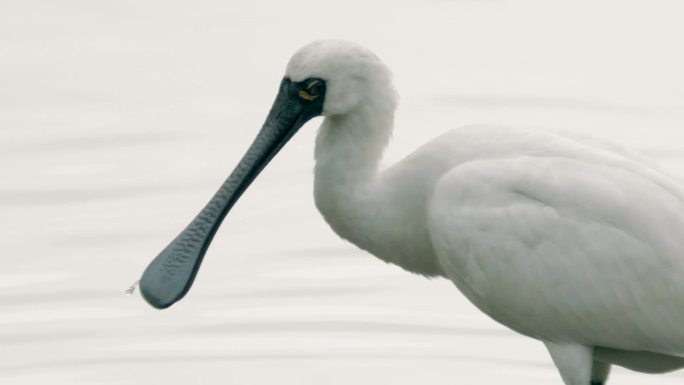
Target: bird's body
(561, 237)
(574, 241)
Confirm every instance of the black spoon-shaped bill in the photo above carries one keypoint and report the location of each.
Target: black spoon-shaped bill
(170, 275)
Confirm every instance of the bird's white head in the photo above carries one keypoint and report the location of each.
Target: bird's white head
(353, 75)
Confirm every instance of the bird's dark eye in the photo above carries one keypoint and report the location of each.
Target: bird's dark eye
(314, 87)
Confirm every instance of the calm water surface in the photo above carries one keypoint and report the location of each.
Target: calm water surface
(119, 119)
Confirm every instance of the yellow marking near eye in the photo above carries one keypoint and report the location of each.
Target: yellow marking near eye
(307, 96)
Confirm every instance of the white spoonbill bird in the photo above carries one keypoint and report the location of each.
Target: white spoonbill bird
(574, 241)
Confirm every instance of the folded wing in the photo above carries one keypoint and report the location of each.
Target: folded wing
(567, 248)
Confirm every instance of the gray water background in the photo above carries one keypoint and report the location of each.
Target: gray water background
(119, 119)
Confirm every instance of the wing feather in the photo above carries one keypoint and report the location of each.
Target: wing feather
(566, 249)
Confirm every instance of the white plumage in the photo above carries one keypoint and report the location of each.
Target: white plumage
(571, 240)
(567, 239)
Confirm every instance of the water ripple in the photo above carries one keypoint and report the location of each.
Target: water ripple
(346, 327)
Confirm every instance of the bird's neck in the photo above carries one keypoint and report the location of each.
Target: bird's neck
(348, 152)
(349, 147)
(357, 201)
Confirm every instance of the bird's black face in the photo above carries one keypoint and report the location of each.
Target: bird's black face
(303, 99)
(171, 274)
(311, 90)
